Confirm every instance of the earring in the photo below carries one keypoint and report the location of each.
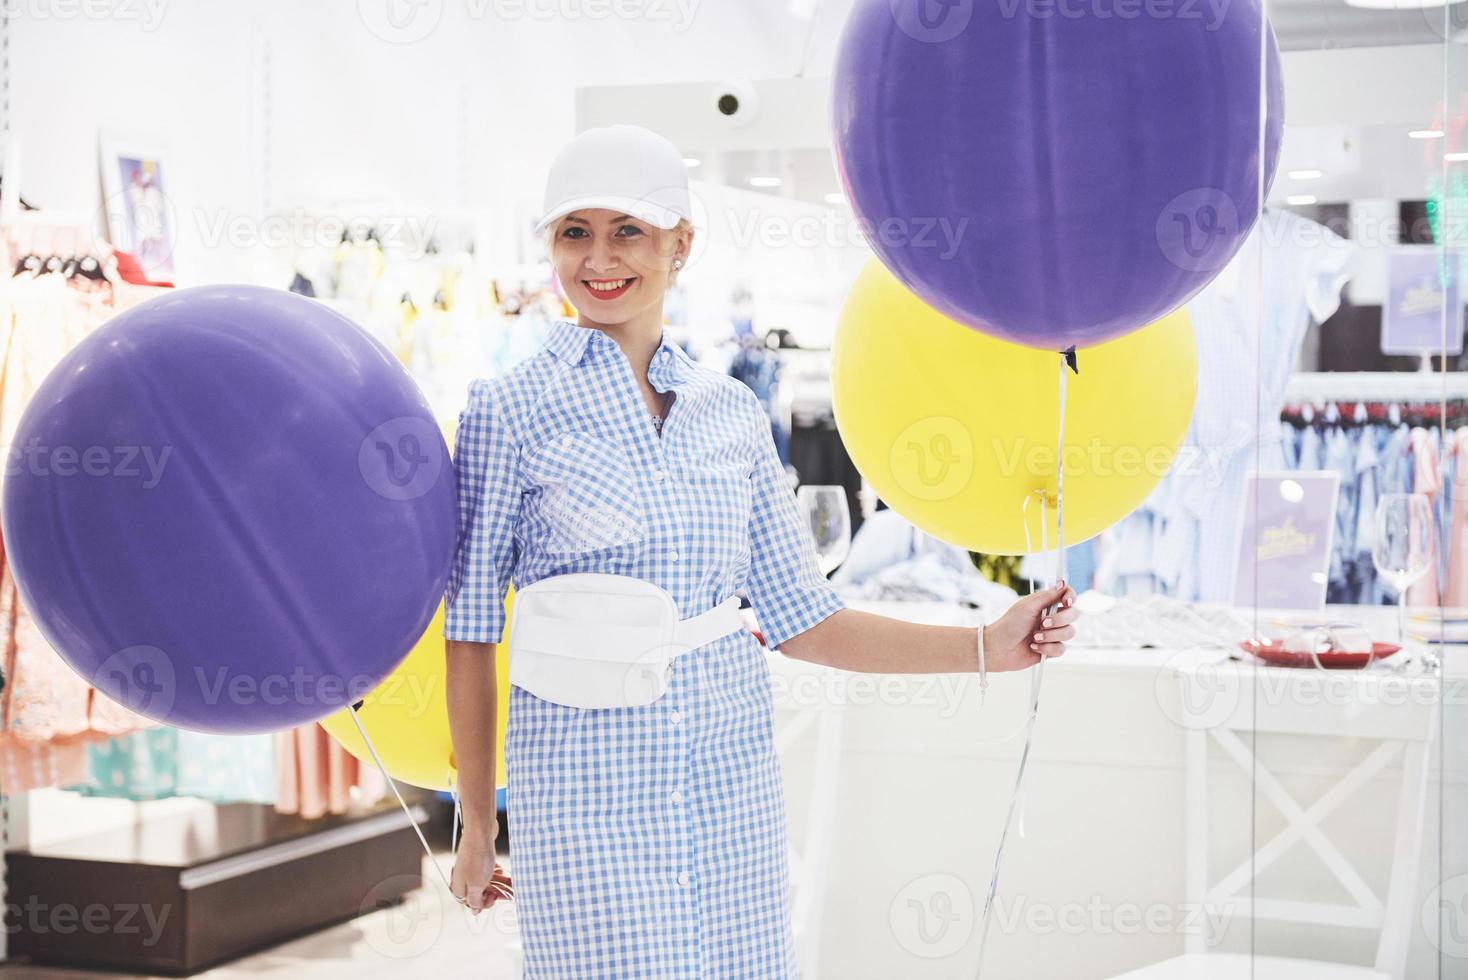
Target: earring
(677, 264)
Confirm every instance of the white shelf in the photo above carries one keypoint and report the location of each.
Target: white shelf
(1377, 386)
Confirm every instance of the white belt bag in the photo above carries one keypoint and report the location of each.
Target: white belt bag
(592, 640)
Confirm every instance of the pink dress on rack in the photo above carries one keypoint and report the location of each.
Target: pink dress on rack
(48, 712)
(1457, 591)
(1427, 480)
(314, 775)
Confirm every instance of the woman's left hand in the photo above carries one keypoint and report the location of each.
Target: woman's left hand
(1024, 634)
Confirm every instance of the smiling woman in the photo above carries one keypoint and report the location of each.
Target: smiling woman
(648, 836)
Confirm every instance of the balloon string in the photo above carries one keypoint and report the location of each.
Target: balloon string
(1044, 546)
(401, 802)
(1017, 798)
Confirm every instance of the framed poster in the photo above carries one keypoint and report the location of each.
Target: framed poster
(140, 219)
(1422, 280)
(1286, 536)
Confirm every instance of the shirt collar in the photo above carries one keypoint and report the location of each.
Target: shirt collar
(570, 342)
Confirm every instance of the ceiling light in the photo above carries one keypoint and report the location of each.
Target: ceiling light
(692, 162)
(1306, 174)
(765, 181)
(1300, 200)
(1456, 157)
(835, 197)
(1426, 134)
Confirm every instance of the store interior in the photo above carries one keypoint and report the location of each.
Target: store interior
(1171, 793)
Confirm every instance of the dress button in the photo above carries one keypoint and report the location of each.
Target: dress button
(676, 796)
(658, 475)
(683, 877)
(673, 555)
(675, 717)
(665, 355)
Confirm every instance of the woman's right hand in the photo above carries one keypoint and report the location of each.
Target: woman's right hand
(477, 879)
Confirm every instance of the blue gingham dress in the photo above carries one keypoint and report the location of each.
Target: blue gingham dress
(646, 841)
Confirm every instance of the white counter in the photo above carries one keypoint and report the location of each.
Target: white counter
(1097, 884)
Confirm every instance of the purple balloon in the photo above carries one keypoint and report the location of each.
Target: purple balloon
(1055, 172)
(230, 509)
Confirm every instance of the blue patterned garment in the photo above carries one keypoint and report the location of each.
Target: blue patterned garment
(647, 841)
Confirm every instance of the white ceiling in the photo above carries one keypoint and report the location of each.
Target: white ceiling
(1299, 25)
(1349, 111)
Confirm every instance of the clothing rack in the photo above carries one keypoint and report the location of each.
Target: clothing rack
(1366, 398)
(1376, 386)
(1352, 414)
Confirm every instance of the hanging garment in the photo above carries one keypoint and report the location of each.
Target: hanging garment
(820, 458)
(1290, 271)
(165, 762)
(1426, 480)
(1396, 461)
(1456, 594)
(1080, 566)
(1289, 440)
(891, 559)
(650, 840)
(140, 766)
(1312, 448)
(1394, 475)
(1341, 450)
(1442, 505)
(759, 367)
(48, 712)
(1368, 465)
(314, 776)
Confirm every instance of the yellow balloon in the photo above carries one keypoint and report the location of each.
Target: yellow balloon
(407, 715)
(956, 430)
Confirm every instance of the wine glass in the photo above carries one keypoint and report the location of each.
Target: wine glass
(1403, 550)
(830, 522)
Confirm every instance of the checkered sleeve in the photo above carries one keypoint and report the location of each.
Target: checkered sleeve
(785, 586)
(487, 477)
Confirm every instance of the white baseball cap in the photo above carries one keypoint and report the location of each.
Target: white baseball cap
(623, 168)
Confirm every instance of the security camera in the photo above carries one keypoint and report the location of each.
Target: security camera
(737, 102)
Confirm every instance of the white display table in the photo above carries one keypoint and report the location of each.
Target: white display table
(1099, 885)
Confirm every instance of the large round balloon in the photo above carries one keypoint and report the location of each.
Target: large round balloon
(407, 715)
(230, 509)
(956, 430)
(1055, 175)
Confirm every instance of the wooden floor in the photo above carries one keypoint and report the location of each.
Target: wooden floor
(428, 936)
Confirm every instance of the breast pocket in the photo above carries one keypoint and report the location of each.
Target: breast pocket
(585, 498)
(720, 498)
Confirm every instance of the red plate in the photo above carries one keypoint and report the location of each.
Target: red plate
(1271, 653)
